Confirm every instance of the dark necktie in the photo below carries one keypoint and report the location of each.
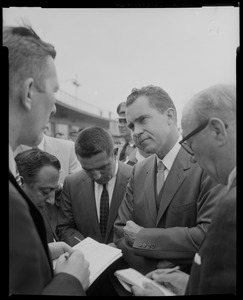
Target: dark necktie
(123, 152)
(104, 211)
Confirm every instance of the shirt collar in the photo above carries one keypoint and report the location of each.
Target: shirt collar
(231, 178)
(41, 145)
(12, 163)
(171, 155)
(139, 156)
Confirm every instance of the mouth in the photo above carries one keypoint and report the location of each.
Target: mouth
(142, 141)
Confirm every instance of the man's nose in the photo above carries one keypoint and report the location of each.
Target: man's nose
(51, 198)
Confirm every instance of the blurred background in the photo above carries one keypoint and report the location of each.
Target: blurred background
(103, 53)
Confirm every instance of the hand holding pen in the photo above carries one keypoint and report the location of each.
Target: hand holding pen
(173, 278)
(74, 264)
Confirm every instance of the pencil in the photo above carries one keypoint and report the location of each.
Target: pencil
(77, 239)
(171, 270)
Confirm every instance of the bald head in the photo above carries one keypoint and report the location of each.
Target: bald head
(209, 130)
(215, 101)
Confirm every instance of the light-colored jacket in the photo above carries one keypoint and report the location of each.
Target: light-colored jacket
(63, 150)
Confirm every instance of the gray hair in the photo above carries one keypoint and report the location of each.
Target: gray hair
(27, 55)
(215, 101)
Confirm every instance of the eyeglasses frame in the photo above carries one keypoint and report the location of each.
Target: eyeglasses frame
(194, 132)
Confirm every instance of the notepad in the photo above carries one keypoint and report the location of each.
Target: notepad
(100, 256)
(129, 277)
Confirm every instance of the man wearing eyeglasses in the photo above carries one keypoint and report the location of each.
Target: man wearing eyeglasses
(209, 129)
(169, 201)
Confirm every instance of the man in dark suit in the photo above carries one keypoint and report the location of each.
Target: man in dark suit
(39, 171)
(209, 129)
(81, 199)
(164, 227)
(32, 86)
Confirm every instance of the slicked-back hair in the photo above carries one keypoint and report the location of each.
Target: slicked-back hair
(158, 98)
(93, 140)
(31, 161)
(27, 55)
(216, 101)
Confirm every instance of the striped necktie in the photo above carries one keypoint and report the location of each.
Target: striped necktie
(160, 176)
(104, 211)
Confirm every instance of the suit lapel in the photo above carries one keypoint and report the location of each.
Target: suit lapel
(89, 201)
(150, 189)
(36, 217)
(117, 196)
(173, 181)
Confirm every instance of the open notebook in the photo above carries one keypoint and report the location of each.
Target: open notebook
(100, 256)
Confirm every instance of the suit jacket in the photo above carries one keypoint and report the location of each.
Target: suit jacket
(30, 266)
(214, 270)
(78, 215)
(175, 231)
(63, 150)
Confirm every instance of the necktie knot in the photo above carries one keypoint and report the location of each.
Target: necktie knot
(160, 166)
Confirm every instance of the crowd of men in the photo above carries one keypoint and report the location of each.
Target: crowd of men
(167, 199)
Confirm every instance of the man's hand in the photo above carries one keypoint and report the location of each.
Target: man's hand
(175, 280)
(74, 264)
(130, 231)
(58, 248)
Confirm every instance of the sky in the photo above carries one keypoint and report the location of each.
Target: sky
(111, 51)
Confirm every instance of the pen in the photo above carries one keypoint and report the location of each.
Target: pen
(167, 271)
(77, 239)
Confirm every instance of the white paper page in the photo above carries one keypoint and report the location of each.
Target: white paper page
(99, 256)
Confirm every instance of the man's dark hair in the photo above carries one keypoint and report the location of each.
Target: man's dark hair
(158, 98)
(31, 161)
(93, 140)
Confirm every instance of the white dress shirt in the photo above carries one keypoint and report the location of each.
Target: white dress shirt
(98, 189)
(170, 157)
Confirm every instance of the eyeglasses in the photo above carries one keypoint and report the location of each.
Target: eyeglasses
(183, 142)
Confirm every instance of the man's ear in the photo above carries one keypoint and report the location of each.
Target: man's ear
(171, 114)
(27, 94)
(219, 129)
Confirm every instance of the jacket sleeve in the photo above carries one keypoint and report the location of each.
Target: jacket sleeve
(66, 227)
(29, 268)
(64, 284)
(180, 242)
